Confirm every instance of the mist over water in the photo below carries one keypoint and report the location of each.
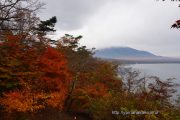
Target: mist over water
(163, 71)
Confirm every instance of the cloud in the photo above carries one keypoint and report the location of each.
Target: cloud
(141, 24)
(72, 14)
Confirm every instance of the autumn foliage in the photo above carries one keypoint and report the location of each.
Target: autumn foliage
(41, 78)
(36, 77)
(32, 80)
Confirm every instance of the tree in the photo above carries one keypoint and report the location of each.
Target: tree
(161, 90)
(78, 58)
(131, 79)
(32, 79)
(18, 15)
(92, 78)
(46, 26)
(30, 69)
(55, 78)
(176, 24)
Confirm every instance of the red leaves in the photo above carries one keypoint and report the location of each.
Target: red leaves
(22, 101)
(14, 37)
(54, 68)
(176, 24)
(42, 77)
(55, 77)
(53, 61)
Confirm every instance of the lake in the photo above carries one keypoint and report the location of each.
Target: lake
(163, 71)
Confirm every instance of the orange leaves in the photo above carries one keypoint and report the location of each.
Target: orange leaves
(21, 101)
(54, 68)
(28, 101)
(93, 91)
(84, 95)
(97, 90)
(42, 77)
(53, 61)
(57, 99)
(55, 78)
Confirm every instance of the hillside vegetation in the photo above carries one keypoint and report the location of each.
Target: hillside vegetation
(45, 79)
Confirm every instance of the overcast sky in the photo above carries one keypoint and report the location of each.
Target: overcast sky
(140, 24)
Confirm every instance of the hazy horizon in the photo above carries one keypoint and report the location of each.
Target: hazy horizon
(139, 24)
(136, 49)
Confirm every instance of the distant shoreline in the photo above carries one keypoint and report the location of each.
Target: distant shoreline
(131, 61)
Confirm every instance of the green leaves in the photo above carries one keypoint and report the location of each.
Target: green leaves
(46, 26)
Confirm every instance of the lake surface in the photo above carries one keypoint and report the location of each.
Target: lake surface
(163, 71)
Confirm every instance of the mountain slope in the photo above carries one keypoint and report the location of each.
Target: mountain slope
(122, 52)
(130, 55)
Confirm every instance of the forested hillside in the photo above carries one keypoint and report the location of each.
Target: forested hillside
(46, 79)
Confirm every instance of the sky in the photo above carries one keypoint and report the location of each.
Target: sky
(140, 24)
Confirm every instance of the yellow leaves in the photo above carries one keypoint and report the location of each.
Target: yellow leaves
(151, 117)
(56, 100)
(92, 91)
(16, 101)
(27, 100)
(21, 101)
(97, 90)
(84, 95)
